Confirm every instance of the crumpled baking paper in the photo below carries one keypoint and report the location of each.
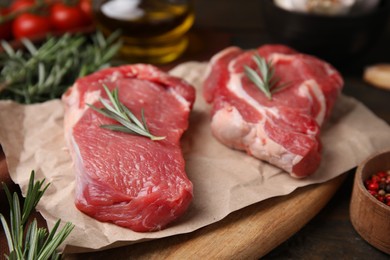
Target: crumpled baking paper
(224, 180)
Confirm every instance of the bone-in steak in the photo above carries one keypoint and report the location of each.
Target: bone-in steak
(122, 178)
(284, 130)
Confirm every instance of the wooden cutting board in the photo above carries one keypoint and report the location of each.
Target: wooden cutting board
(251, 232)
(246, 234)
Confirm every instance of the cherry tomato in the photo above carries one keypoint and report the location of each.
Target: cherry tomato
(5, 28)
(64, 17)
(30, 25)
(21, 4)
(86, 8)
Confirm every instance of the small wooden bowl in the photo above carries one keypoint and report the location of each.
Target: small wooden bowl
(370, 217)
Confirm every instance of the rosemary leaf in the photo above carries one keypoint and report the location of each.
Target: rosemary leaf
(7, 193)
(118, 128)
(32, 239)
(16, 231)
(7, 48)
(119, 112)
(7, 233)
(134, 118)
(114, 100)
(29, 46)
(144, 120)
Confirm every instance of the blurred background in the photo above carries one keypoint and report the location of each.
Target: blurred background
(249, 28)
(250, 23)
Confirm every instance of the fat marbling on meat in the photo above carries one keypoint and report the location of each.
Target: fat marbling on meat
(284, 131)
(127, 179)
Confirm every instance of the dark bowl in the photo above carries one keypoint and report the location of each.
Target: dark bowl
(337, 39)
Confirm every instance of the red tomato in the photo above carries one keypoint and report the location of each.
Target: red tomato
(86, 8)
(21, 4)
(30, 25)
(64, 17)
(5, 28)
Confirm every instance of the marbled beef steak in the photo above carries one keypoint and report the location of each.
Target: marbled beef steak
(284, 130)
(123, 178)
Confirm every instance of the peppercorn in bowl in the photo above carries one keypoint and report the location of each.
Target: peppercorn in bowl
(370, 202)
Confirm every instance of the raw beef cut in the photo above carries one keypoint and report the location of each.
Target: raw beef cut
(284, 130)
(122, 178)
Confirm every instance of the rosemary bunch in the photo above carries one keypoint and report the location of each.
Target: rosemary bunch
(37, 243)
(44, 72)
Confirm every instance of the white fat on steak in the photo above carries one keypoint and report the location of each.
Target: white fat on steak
(283, 131)
(242, 135)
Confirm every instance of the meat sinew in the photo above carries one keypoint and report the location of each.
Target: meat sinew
(284, 130)
(122, 178)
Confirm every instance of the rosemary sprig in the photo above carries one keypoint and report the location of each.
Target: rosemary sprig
(265, 81)
(39, 73)
(129, 123)
(37, 243)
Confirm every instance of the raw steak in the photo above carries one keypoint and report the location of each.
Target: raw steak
(122, 178)
(283, 131)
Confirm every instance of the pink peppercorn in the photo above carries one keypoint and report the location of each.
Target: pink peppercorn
(373, 186)
(382, 174)
(378, 185)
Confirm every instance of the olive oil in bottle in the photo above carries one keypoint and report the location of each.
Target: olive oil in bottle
(153, 31)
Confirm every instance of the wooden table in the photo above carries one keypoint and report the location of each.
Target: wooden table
(330, 234)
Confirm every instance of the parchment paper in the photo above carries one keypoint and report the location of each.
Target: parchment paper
(224, 180)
